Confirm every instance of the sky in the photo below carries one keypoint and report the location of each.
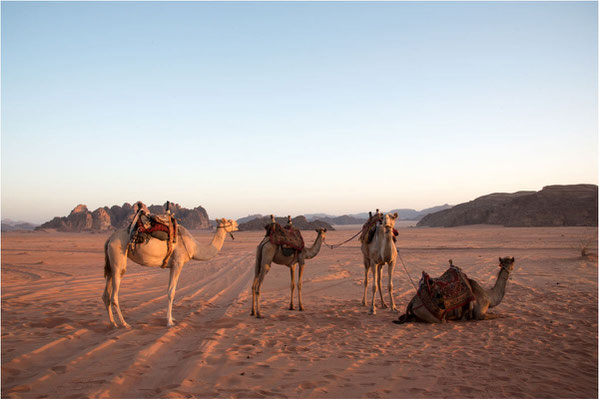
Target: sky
(293, 107)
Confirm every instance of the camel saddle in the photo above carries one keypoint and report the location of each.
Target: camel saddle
(289, 238)
(448, 292)
(146, 226)
(369, 228)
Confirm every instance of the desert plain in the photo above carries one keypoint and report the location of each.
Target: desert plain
(541, 343)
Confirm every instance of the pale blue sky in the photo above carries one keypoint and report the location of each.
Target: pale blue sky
(293, 108)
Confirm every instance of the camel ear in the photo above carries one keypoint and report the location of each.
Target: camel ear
(324, 230)
(395, 215)
(499, 260)
(513, 259)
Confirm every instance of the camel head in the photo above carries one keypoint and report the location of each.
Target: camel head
(229, 225)
(507, 263)
(321, 232)
(389, 222)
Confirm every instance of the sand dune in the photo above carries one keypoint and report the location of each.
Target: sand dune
(57, 343)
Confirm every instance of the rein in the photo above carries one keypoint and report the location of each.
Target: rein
(334, 246)
(226, 226)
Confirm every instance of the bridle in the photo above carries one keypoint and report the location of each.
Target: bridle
(226, 226)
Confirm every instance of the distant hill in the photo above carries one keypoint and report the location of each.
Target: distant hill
(8, 225)
(557, 205)
(300, 222)
(105, 218)
(405, 214)
(249, 218)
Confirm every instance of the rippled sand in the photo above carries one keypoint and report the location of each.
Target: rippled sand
(57, 343)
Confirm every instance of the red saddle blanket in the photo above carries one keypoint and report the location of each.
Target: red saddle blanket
(287, 236)
(445, 293)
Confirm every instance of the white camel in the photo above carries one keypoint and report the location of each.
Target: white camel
(380, 251)
(152, 254)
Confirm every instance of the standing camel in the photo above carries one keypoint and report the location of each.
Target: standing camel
(484, 299)
(152, 254)
(380, 251)
(268, 253)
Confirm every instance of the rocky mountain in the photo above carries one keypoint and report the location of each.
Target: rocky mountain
(8, 225)
(105, 218)
(405, 214)
(299, 222)
(557, 205)
(249, 218)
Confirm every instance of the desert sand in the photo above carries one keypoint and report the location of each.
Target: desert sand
(57, 342)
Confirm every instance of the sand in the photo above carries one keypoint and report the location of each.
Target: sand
(57, 343)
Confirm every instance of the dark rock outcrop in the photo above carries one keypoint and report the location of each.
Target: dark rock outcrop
(557, 205)
(299, 222)
(104, 218)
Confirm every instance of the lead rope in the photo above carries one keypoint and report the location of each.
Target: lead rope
(405, 269)
(334, 246)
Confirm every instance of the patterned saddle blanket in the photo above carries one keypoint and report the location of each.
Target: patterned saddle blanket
(286, 236)
(445, 293)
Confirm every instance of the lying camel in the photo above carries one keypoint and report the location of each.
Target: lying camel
(477, 309)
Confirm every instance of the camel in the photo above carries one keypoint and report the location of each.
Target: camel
(268, 253)
(380, 251)
(477, 309)
(152, 254)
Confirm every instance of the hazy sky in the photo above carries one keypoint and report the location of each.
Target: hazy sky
(293, 108)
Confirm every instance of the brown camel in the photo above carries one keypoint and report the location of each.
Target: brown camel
(268, 253)
(152, 254)
(380, 251)
(484, 299)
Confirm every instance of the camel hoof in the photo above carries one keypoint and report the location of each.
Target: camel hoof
(170, 324)
(291, 307)
(301, 308)
(252, 313)
(259, 316)
(384, 306)
(127, 326)
(372, 312)
(363, 302)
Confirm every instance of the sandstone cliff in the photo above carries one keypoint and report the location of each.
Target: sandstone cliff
(557, 205)
(104, 218)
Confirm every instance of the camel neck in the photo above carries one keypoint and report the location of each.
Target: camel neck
(311, 252)
(498, 291)
(206, 252)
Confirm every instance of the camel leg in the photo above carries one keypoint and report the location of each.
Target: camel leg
(366, 271)
(374, 285)
(299, 286)
(263, 271)
(106, 298)
(254, 286)
(172, 287)
(391, 269)
(378, 283)
(116, 284)
(292, 270)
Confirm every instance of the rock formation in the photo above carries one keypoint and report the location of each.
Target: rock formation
(104, 218)
(557, 205)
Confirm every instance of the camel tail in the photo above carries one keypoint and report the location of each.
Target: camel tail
(107, 269)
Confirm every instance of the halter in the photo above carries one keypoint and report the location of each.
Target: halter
(505, 269)
(225, 226)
